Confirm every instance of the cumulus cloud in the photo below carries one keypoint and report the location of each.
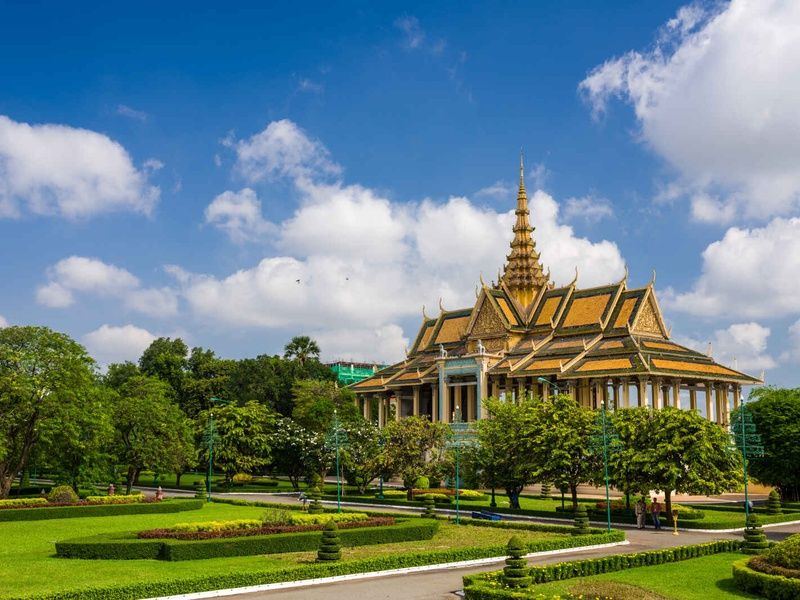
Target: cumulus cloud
(111, 344)
(792, 354)
(588, 208)
(742, 346)
(68, 172)
(749, 273)
(131, 113)
(238, 214)
(80, 274)
(353, 260)
(3, 322)
(716, 96)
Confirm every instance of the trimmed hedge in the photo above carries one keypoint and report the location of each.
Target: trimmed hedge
(22, 502)
(120, 499)
(127, 547)
(773, 587)
(98, 510)
(484, 586)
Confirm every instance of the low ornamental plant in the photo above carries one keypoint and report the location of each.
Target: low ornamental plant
(774, 504)
(392, 494)
(22, 502)
(515, 573)
(545, 491)
(430, 508)
(581, 521)
(755, 541)
(62, 494)
(316, 506)
(330, 546)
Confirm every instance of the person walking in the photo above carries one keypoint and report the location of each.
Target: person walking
(655, 511)
(640, 510)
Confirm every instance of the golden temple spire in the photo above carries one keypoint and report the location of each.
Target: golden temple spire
(523, 274)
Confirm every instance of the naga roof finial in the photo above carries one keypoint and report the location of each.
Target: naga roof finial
(441, 308)
(424, 316)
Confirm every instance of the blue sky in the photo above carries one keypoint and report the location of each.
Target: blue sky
(176, 170)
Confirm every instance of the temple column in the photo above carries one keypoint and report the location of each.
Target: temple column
(365, 407)
(496, 388)
(626, 393)
(398, 406)
(737, 395)
(446, 408)
(470, 403)
(434, 403)
(692, 397)
(520, 389)
(616, 385)
(571, 389)
(718, 404)
(381, 412)
(415, 401)
(599, 397)
(676, 393)
(709, 412)
(642, 391)
(655, 386)
(483, 394)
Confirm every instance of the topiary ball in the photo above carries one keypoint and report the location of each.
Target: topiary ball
(63, 494)
(516, 573)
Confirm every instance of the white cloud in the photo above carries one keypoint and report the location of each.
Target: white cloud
(110, 344)
(792, 354)
(132, 113)
(69, 172)
(238, 214)
(716, 97)
(3, 322)
(93, 276)
(588, 208)
(282, 150)
(381, 344)
(749, 273)
(742, 346)
(413, 34)
(355, 260)
(309, 86)
(499, 190)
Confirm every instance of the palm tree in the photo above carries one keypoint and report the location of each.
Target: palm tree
(301, 349)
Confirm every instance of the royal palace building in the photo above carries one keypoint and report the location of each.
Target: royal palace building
(526, 337)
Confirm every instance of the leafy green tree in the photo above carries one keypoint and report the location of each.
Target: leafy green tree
(362, 456)
(166, 359)
(242, 438)
(151, 430)
(302, 349)
(119, 373)
(412, 445)
(315, 401)
(628, 450)
(688, 454)
(43, 376)
(206, 377)
(561, 434)
(290, 442)
(776, 414)
(506, 453)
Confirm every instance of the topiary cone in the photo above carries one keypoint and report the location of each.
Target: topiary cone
(329, 547)
(755, 542)
(430, 507)
(515, 573)
(316, 506)
(545, 491)
(581, 521)
(774, 504)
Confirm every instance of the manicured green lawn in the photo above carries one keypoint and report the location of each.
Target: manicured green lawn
(706, 578)
(28, 565)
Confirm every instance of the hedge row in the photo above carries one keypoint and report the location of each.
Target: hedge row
(98, 510)
(241, 578)
(773, 587)
(484, 586)
(127, 547)
(526, 525)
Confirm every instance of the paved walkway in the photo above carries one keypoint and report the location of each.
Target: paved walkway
(441, 585)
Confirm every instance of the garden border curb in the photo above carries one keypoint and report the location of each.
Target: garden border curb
(376, 574)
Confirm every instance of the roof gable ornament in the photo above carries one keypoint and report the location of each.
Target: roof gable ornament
(442, 351)
(424, 316)
(481, 348)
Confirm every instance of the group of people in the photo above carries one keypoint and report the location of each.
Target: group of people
(641, 513)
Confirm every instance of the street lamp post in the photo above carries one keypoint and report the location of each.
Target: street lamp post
(381, 443)
(749, 442)
(549, 383)
(605, 464)
(463, 436)
(210, 434)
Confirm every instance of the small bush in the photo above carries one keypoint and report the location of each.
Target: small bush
(581, 521)
(755, 542)
(132, 499)
(322, 518)
(217, 525)
(316, 506)
(430, 508)
(422, 483)
(22, 502)
(785, 554)
(545, 491)
(442, 498)
(773, 587)
(62, 494)
(515, 573)
(242, 479)
(392, 494)
(329, 548)
(774, 504)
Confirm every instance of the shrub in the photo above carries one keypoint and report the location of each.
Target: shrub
(437, 497)
(773, 587)
(785, 554)
(329, 548)
(581, 521)
(217, 525)
(430, 508)
(755, 542)
(63, 494)
(774, 504)
(132, 499)
(199, 489)
(97, 510)
(316, 506)
(471, 494)
(515, 573)
(422, 482)
(322, 518)
(22, 502)
(276, 516)
(545, 491)
(392, 494)
(242, 479)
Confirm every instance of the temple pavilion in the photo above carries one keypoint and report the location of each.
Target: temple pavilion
(526, 337)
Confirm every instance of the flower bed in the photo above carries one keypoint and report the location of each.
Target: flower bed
(83, 509)
(260, 530)
(23, 503)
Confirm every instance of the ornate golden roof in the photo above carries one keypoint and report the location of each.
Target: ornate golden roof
(523, 274)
